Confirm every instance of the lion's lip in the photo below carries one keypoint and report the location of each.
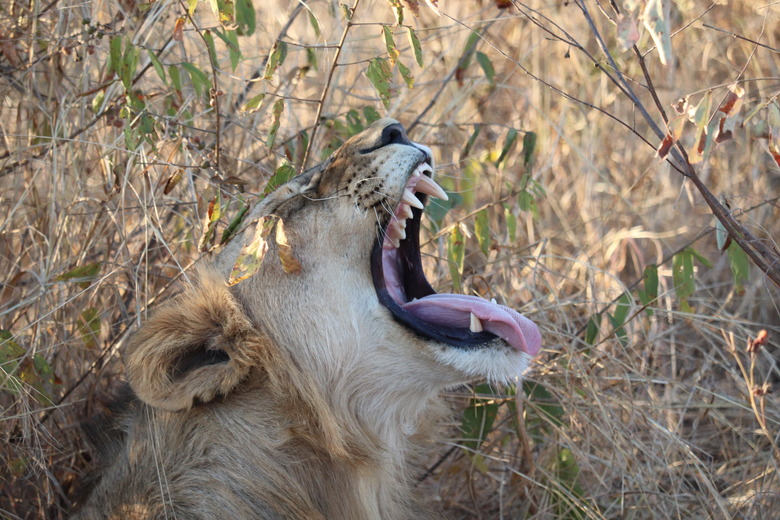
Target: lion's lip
(455, 319)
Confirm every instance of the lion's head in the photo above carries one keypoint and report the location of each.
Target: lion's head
(329, 346)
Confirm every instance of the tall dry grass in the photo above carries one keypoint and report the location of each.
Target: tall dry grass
(660, 415)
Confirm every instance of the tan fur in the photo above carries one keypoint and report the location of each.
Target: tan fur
(293, 394)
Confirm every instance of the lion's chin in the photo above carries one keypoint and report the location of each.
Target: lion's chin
(461, 321)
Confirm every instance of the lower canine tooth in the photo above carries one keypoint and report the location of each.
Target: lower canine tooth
(475, 325)
(409, 198)
(404, 211)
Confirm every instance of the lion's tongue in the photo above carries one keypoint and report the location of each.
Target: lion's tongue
(454, 310)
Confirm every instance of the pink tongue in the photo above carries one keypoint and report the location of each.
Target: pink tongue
(453, 310)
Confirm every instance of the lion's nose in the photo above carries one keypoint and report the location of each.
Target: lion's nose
(394, 134)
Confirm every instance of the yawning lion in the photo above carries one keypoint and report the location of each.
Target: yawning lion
(299, 376)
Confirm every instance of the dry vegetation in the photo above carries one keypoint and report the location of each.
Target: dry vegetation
(659, 414)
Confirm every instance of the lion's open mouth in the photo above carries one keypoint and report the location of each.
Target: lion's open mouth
(455, 319)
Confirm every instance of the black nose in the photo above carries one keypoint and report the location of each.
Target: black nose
(394, 134)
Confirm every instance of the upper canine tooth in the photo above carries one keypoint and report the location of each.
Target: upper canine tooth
(409, 198)
(475, 325)
(427, 185)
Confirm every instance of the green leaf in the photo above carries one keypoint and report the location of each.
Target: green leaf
(650, 292)
(618, 319)
(511, 223)
(277, 113)
(115, 53)
(721, 235)
(370, 114)
(456, 247)
(682, 276)
(478, 418)
(354, 125)
(209, 39)
(511, 137)
(311, 58)
(472, 140)
(346, 11)
(173, 72)
(592, 330)
(740, 265)
(283, 173)
(229, 231)
(191, 5)
(275, 58)
(482, 230)
(314, 24)
(253, 104)
(129, 64)
(622, 307)
(10, 350)
(97, 101)
(701, 258)
(231, 38)
(198, 78)
(567, 474)
(468, 50)
(527, 202)
(487, 67)
(406, 74)
(378, 73)
(470, 177)
(543, 403)
(529, 149)
(245, 17)
(651, 281)
(11, 357)
(657, 23)
(89, 327)
(83, 275)
(392, 50)
(158, 68)
(436, 209)
(414, 42)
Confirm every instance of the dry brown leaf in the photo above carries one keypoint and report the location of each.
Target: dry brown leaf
(290, 264)
(178, 29)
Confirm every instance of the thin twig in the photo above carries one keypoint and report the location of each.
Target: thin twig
(738, 37)
(326, 89)
(764, 258)
(214, 94)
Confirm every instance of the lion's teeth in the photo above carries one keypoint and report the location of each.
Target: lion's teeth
(493, 301)
(396, 231)
(409, 198)
(404, 211)
(475, 325)
(427, 185)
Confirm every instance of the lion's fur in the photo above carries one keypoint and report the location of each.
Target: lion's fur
(291, 395)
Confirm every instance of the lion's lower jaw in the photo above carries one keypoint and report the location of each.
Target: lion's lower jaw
(498, 363)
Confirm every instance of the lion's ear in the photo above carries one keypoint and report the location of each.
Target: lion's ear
(199, 346)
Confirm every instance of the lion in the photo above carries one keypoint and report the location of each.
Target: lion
(298, 377)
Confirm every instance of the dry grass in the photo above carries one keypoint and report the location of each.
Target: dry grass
(653, 420)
